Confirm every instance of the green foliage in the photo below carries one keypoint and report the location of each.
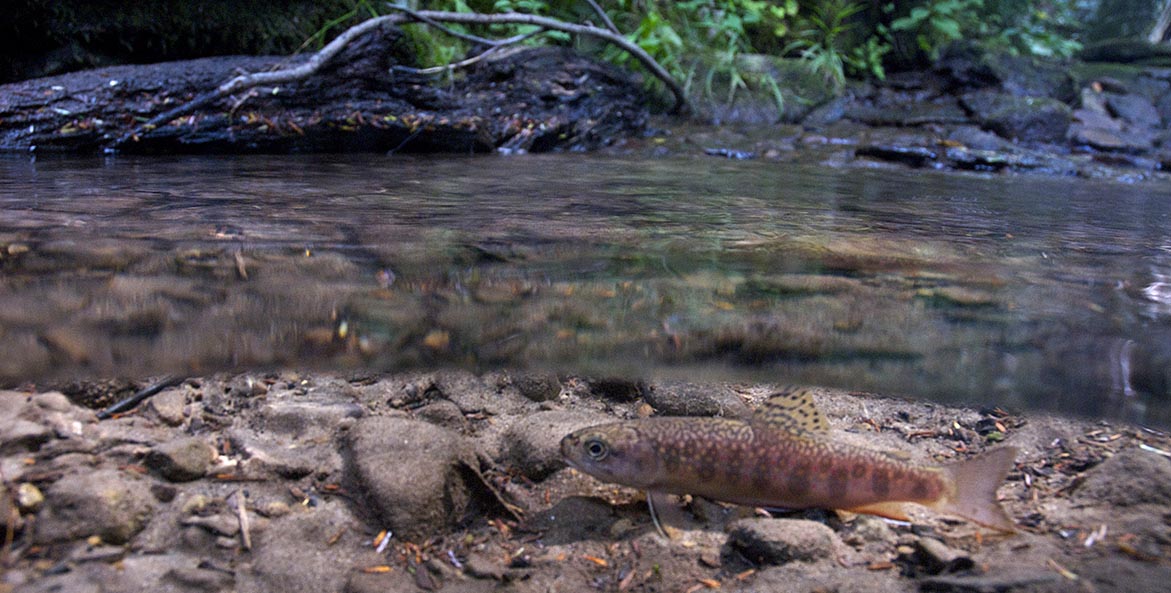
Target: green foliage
(1033, 27)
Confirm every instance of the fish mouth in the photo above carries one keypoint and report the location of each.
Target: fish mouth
(568, 446)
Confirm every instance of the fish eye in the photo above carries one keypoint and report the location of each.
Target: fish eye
(596, 449)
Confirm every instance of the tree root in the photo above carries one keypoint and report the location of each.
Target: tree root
(429, 17)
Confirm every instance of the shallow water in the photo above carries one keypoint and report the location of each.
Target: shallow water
(1023, 292)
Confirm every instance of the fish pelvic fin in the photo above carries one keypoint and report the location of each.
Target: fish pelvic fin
(976, 481)
(890, 510)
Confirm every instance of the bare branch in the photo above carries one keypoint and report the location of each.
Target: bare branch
(430, 17)
(605, 17)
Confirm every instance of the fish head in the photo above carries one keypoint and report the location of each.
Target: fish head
(616, 453)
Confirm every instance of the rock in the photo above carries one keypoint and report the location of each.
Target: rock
(975, 66)
(572, 519)
(678, 398)
(533, 443)
(199, 579)
(1105, 138)
(779, 541)
(482, 566)
(169, 406)
(536, 387)
(1117, 480)
(1133, 109)
(1027, 119)
(935, 557)
(414, 474)
(622, 390)
(977, 139)
(53, 401)
(110, 504)
(181, 460)
(297, 557)
(311, 420)
(914, 156)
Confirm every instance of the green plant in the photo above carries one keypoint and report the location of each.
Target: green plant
(822, 40)
(1032, 27)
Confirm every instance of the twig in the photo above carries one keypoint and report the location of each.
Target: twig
(331, 51)
(472, 60)
(605, 17)
(140, 396)
(242, 515)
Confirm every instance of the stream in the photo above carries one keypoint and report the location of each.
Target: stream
(1025, 292)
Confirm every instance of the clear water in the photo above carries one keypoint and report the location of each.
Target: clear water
(1023, 292)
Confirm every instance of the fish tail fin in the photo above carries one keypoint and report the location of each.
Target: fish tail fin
(976, 481)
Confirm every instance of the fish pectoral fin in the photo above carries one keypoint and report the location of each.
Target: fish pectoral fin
(890, 510)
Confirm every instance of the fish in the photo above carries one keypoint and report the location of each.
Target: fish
(784, 456)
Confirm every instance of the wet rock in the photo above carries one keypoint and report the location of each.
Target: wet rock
(413, 473)
(909, 113)
(1133, 109)
(678, 398)
(297, 557)
(977, 139)
(914, 156)
(935, 557)
(533, 443)
(1115, 481)
(311, 420)
(110, 504)
(19, 434)
(169, 406)
(444, 413)
(971, 65)
(779, 541)
(1026, 119)
(537, 387)
(182, 459)
(1102, 138)
(617, 389)
(276, 454)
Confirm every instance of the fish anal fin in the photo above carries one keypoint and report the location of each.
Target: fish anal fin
(792, 410)
(890, 510)
(976, 481)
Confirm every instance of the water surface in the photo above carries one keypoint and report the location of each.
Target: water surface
(1023, 292)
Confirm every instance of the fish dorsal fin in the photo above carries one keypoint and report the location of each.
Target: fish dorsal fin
(792, 410)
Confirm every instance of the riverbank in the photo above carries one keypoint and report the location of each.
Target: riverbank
(450, 481)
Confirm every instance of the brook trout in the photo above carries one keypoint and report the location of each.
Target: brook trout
(784, 457)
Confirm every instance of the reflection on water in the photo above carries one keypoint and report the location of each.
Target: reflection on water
(1022, 292)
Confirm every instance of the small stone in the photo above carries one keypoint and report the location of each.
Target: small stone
(678, 398)
(536, 387)
(273, 509)
(779, 541)
(224, 525)
(617, 389)
(936, 558)
(182, 459)
(484, 567)
(29, 497)
(107, 503)
(169, 406)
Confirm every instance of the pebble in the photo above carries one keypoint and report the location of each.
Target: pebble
(108, 503)
(537, 387)
(181, 460)
(779, 541)
(169, 406)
